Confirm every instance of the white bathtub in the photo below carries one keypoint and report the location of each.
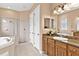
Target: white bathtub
(6, 46)
(5, 42)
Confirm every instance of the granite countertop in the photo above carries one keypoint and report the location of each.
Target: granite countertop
(71, 41)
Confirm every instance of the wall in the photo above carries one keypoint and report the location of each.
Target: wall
(47, 11)
(71, 16)
(8, 13)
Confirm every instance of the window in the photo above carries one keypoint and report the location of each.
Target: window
(46, 23)
(63, 23)
(77, 24)
(52, 23)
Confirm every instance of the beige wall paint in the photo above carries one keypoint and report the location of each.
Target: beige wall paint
(8, 13)
(47, 11)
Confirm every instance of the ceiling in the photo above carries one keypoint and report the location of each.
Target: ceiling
(72, 6)
(17, 6)
(26, 6)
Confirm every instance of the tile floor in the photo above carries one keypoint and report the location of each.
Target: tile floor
(26, 49)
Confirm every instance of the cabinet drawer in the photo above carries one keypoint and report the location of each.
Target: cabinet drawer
(51, 41)
(44, 38)
(73, 48)
(60, 44)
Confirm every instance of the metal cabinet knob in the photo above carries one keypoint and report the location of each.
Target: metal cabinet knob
(74, 49)
(38, 34)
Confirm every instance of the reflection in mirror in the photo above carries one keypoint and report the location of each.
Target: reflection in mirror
(63, 24)
(52, 23)
(77, 24)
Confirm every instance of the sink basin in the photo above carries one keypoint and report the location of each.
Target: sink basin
(61, 38)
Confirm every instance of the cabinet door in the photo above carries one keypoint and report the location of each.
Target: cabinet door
(73, 51)
(50, 48)
(44, 44)
(60, 49)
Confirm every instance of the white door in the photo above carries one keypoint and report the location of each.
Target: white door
(22, 36)
(37, 27)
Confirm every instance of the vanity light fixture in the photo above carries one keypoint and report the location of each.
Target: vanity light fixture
(61, 8)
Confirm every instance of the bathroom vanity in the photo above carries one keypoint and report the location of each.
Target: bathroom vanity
(58, 46)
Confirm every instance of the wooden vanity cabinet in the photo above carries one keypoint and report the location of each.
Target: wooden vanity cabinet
(76, 33)
(73, 51)
(61, 49)
(44, 44)
(53, 47)
(50, 48)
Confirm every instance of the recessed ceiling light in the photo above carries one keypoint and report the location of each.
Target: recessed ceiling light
(4, 21)
(8, 7)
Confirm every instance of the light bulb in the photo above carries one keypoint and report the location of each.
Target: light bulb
(55, 12)
(59, 9)
(66, 7)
